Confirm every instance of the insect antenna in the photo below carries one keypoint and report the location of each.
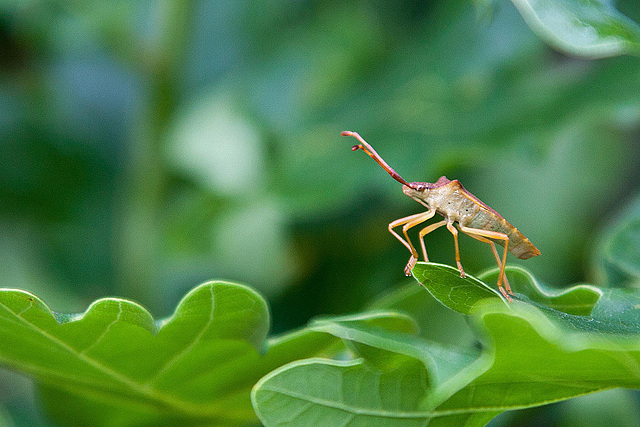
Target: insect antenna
(364, 146)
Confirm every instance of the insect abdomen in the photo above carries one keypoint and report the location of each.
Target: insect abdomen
(519, 245)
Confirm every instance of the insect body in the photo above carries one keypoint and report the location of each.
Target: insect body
(457, 205)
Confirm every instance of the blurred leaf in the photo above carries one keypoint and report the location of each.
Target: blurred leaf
(5, 418)
(214, 145)
(114, 365)
(539, 187)
(256, 229)
(618, 254)
(612, 407)
(485, 9)
(591, 28)
(509, 113)
(532, 355)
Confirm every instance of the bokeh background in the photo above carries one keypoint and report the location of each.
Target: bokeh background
(149, 146)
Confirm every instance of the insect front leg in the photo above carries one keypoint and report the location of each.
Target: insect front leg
(428, 229)
(498, 236)
(495, 254)
(453, 231)
(410, 221)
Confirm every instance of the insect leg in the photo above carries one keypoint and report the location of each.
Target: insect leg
(402, 221)
(453, 231)
(493, 235)
(428, 229)
(495, 254)
(410, 221)
(414, 254)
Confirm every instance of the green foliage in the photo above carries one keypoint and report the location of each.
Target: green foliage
(546, 346)
(437, 278)
(113, 365)
(585, 340)
(211, 361)
(592, 29)
(150, 146)
(618, 254)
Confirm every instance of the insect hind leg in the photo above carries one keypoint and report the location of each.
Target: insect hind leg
(495, 254)
(493, 235)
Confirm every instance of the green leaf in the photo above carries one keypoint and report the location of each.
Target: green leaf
(444, 362)
(585, 340)
(462, 294)
(578, 300)
(323, 392)
(384, 389)
(364, 391)
(419, 304)
(446, 285)
(589, 28)
(114, 365)
(539, 356)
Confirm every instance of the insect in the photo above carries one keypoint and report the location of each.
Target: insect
(457, 205)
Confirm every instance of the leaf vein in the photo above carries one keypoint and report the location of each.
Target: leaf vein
(106, 330)
(188, 348)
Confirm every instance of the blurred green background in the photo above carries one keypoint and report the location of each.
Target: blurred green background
(149, 146)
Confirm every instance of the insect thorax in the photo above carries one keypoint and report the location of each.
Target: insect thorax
(448, 199)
